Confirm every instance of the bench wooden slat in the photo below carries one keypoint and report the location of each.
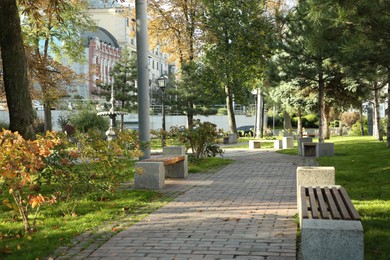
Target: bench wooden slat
(340, 204)
(313, 204)
(351, 208)
(304, 211)
(323, 207)
(166, 160)
(332, 206)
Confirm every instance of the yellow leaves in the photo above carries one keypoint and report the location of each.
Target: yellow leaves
(21, 158)
(38, 200)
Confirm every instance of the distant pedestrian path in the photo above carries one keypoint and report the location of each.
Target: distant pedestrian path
(244, 211)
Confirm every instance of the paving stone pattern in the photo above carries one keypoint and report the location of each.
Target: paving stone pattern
(244, 211)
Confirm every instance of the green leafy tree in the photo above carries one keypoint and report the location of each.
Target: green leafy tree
(239, 34)
(311, 43)
(366, 48)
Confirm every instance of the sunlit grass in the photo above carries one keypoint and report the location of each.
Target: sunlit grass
(363, 168)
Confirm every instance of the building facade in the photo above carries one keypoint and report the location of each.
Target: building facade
(115, 31)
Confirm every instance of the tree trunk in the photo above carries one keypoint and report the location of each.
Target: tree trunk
(321, 94)
(326, 123)
(21, 114)
(47, 119)
(361, 120)
(122, 124)
(230, 110)
(287, 121)
(299, 126)
(377, 117)
(190, 115)
(388, 110)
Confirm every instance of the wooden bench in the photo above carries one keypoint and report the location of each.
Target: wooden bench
(253, 144)
(151, 173)
(167, 160)
(330, 224)
(327, 203)
(173, 165)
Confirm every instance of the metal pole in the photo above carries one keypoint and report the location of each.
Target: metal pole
(143, 76)
(163, 139)
(258, 114)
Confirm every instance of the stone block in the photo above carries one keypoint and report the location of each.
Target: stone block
(174, 150)
(288, 142)
(177, 170)
(303, 140)
(332, 240)
(149, 175)
(315, 175)
(309, 149)
(324, 149)
(254, 144)
(278, 144)
(232, 138)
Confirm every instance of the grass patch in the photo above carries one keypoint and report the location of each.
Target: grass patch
(208, 164)
(363, 167)
(55, 229)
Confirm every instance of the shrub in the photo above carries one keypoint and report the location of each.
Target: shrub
(222, 111)
(349, 118)
(201, 139)
(99, 172)
(356, 128)
(20, 162)
(86, 120)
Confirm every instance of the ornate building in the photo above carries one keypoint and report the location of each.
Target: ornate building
(103, 47)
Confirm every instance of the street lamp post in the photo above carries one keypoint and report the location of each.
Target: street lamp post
(162, 83)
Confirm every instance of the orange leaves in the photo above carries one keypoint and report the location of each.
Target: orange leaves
(20, 158)
(38, 200)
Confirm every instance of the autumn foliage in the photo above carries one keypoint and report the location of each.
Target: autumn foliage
(21, 161)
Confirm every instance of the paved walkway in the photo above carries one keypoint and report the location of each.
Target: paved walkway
(244, 211)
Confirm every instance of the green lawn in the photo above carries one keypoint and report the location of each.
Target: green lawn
(363, 167)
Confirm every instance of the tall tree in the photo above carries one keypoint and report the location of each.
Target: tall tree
(239, 34)
(311, 43)
(175, 25)
(53, 29)
(367, 36)
(15, 70)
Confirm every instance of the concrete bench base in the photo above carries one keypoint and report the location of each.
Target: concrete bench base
(330, 224)
(315, 176)
(254, 144)
(309, 149)
(303, 140)
(151, 173)
(230, 139)
(288, 142)
(317, 149)
(325, 149)
(332, 239)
